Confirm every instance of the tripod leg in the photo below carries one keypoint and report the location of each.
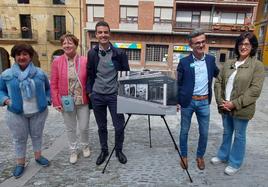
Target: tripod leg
(176, 147)
(129, 115)
(150, 131)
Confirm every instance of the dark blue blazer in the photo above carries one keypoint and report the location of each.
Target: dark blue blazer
(186, 78)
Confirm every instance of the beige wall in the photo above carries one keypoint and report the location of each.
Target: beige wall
(42, 12)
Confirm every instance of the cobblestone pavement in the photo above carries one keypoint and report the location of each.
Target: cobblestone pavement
(156, 166)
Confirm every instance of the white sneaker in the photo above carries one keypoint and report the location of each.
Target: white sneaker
(216, 160)
(86, 152)
(229, 170)
(73, 158)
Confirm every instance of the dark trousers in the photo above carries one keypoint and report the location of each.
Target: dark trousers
(100, 102)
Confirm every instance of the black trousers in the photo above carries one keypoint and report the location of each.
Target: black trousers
(100, 103)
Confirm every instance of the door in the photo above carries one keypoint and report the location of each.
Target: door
(25, 25)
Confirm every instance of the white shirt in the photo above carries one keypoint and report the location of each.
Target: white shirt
(30, 105)
(230, 82)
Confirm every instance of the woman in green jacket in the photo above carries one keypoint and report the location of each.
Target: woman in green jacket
(237, 88)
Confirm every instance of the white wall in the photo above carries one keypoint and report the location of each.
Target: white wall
(128, 26)
(100, 2)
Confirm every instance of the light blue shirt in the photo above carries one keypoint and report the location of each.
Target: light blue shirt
(201, 76)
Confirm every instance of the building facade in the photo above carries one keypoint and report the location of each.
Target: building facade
(39, 23)
(262, 31)
(154, 32)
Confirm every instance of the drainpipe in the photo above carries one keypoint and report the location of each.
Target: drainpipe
(80, 29)
(211, 16)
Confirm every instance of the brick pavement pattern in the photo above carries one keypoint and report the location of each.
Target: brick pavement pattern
(156, 166)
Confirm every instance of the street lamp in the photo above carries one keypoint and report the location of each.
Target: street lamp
(72, 18)
(63, 2)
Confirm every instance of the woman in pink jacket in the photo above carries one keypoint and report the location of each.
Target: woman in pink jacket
(68, 92)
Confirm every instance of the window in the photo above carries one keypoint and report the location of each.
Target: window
(128, 14)
(156, 53)
(240, 19)
(59, 26)
(259, 55)
(222, 57)
(265, 7)
(162, 15)
(59, 2)
(232, 18)
(261, 33)
(232, 54)
(95, 13)
(227, 17)
(196, 19)
(25, 25)
(188, 19)
(1, 28)
(93, 44)
(133, 54)
(23, 1)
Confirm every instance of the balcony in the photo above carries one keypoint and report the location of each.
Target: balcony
(217, 1)
(54, 36)
(220, 3)
(12, 35)
(210, 27)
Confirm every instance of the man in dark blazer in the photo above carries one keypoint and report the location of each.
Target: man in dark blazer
(195, 75)
(104, 61)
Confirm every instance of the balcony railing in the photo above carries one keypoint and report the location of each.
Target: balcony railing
(210, 27)
(54, 36)
(15, 34)
(219, 1)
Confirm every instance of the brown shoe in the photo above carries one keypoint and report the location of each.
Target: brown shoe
(200, 163)
(185, 165)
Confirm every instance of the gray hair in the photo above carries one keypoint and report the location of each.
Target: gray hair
(194, 33)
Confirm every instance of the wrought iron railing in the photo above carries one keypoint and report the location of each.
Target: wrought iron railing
(15, 34)
(210, 27)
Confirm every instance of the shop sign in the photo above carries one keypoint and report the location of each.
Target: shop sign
(128, 45)
(182, 48)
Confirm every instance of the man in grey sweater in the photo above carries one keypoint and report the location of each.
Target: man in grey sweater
(104, 61)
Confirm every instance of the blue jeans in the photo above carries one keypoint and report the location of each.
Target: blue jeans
(202, 112)
(233, 152)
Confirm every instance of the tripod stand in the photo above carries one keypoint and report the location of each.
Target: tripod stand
(176, 147)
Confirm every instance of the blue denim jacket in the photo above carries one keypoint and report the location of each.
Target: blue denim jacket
(9, 89)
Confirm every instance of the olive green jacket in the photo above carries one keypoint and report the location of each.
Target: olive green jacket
(247, 87)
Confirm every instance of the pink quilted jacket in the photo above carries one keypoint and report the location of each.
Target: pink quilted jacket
(59, 78)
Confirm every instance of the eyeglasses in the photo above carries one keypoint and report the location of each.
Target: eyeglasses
(246, 45)
(199, 43)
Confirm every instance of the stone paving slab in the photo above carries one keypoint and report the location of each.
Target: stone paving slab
(156, 166)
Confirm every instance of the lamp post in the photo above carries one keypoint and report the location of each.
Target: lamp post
(72, 19)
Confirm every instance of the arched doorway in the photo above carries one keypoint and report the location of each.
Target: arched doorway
(4, 60)
(35, 60)
(56, 54)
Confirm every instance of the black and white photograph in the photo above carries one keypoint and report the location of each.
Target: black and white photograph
(142, 91)
(132, 89)
(126, 90)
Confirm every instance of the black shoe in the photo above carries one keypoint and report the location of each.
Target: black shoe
(121, 157)
(103, 155)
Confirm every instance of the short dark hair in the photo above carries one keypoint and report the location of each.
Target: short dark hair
(18, 48)
(194, 33)
(71, 37)
(253, 41)
(102, 23)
